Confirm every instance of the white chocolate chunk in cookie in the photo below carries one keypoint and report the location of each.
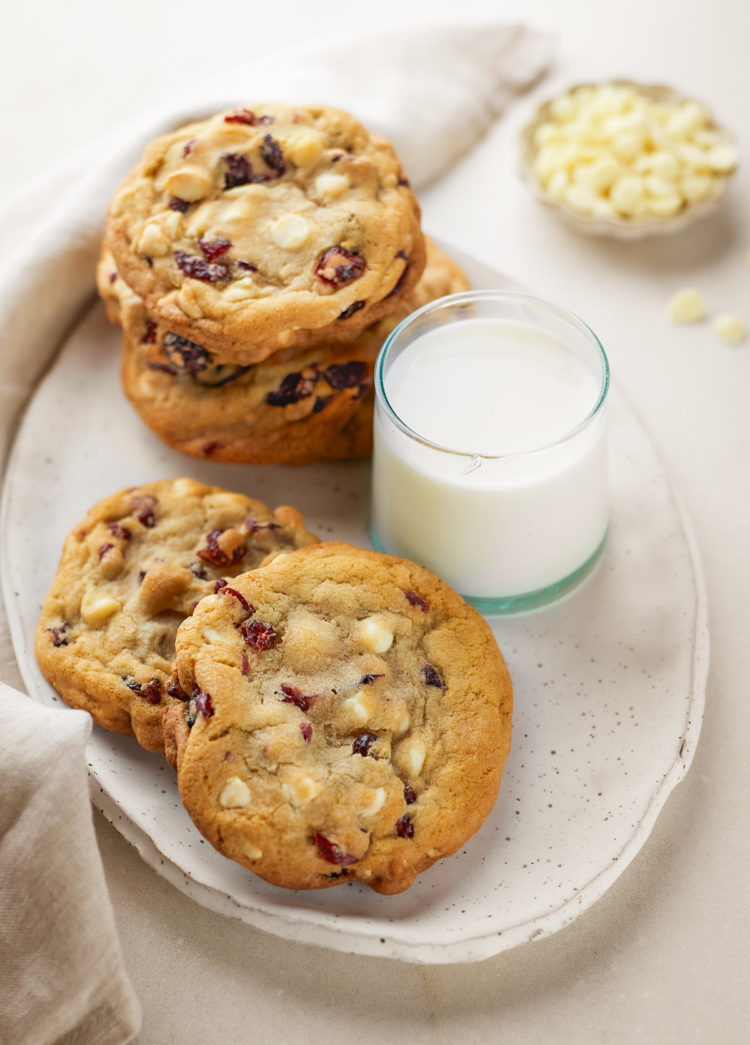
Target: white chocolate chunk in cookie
(152, 241)
(188, 184)
(235, 794)
(299, 787)
(411, 756)
(305, 149)
(290, 231)
(96, 608)
(360, 706)
(374, 635)
(331, 185)
(374, 800)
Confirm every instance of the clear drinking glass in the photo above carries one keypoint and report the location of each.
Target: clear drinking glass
(490, 456)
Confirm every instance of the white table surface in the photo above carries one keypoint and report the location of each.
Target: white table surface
(665, 955)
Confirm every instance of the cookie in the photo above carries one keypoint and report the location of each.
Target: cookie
(129, 574)
(294, 408)
(260, 229)
(349, 719)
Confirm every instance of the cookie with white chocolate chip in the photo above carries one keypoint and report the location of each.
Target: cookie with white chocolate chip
(129, 574)
(349, 719)
(267, 228)
(316, 404)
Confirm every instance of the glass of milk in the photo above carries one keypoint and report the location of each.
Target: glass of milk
(490, 456)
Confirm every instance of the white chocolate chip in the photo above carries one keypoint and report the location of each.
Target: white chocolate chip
(627, 193)
(729, 328)
(697, 187)
(331, 185)
(215, 638)
(240, 290)
(687, 306)
(298, 787)
(152, 241)
(411, 756)
(306, 149)
(375, 799)
(374, 635)
(96, 608)
(723, 158)
(290, 231)
(664, 206)
(188, 184)
(359, 706)
(235, 794)
(252, 852)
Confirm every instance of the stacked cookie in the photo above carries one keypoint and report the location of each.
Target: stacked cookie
(333, 714)
(256, 261)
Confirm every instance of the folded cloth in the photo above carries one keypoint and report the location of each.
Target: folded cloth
(61, 964)
(433, 91)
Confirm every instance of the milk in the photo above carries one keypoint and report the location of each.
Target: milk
(490, 459)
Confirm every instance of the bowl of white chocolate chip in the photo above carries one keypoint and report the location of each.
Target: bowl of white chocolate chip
(626, 159)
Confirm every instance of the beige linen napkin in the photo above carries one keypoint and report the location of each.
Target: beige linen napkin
(433, 91)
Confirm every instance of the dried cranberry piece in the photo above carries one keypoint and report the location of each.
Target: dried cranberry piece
(199, 703)
(367, 680)
(306, 731)
(187, 148)
(197, 268)
(337, 266)
(245, 665)
(295, 696)
(112, 277)
(103, 549)
(59, 635)
(404, 827)
(149, 334)
(240, 171)
(198, 570)
(226, 590)
(272, 155)
(431, 677)
(258, 634)
(347, 375)
(143, 509)
(175, 690)
(209, 448)
(351, 309)
(247, 266)
(187, 355)
(176, 203)
(363, 743)
(118, 530)
(214, 248)
(294, 387)
(150, 691)
(219, 584)
(332, 853)
(410, 795)
(241, 116)
(215, 554)
(404, 181)
(417, 600)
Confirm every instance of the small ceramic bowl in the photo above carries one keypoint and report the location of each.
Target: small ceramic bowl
(614, 224)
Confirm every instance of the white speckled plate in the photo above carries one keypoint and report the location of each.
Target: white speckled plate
(609, 683)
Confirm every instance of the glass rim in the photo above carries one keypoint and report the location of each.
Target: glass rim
(465, 297)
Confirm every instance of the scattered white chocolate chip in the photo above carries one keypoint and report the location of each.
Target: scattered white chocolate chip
(252, 852)
(375, 799)
(729, 328)
(96, 608)
(188, 184)
(374, 635)
(235, 794)
(290, 231)
(687, 306)
(152, 242)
